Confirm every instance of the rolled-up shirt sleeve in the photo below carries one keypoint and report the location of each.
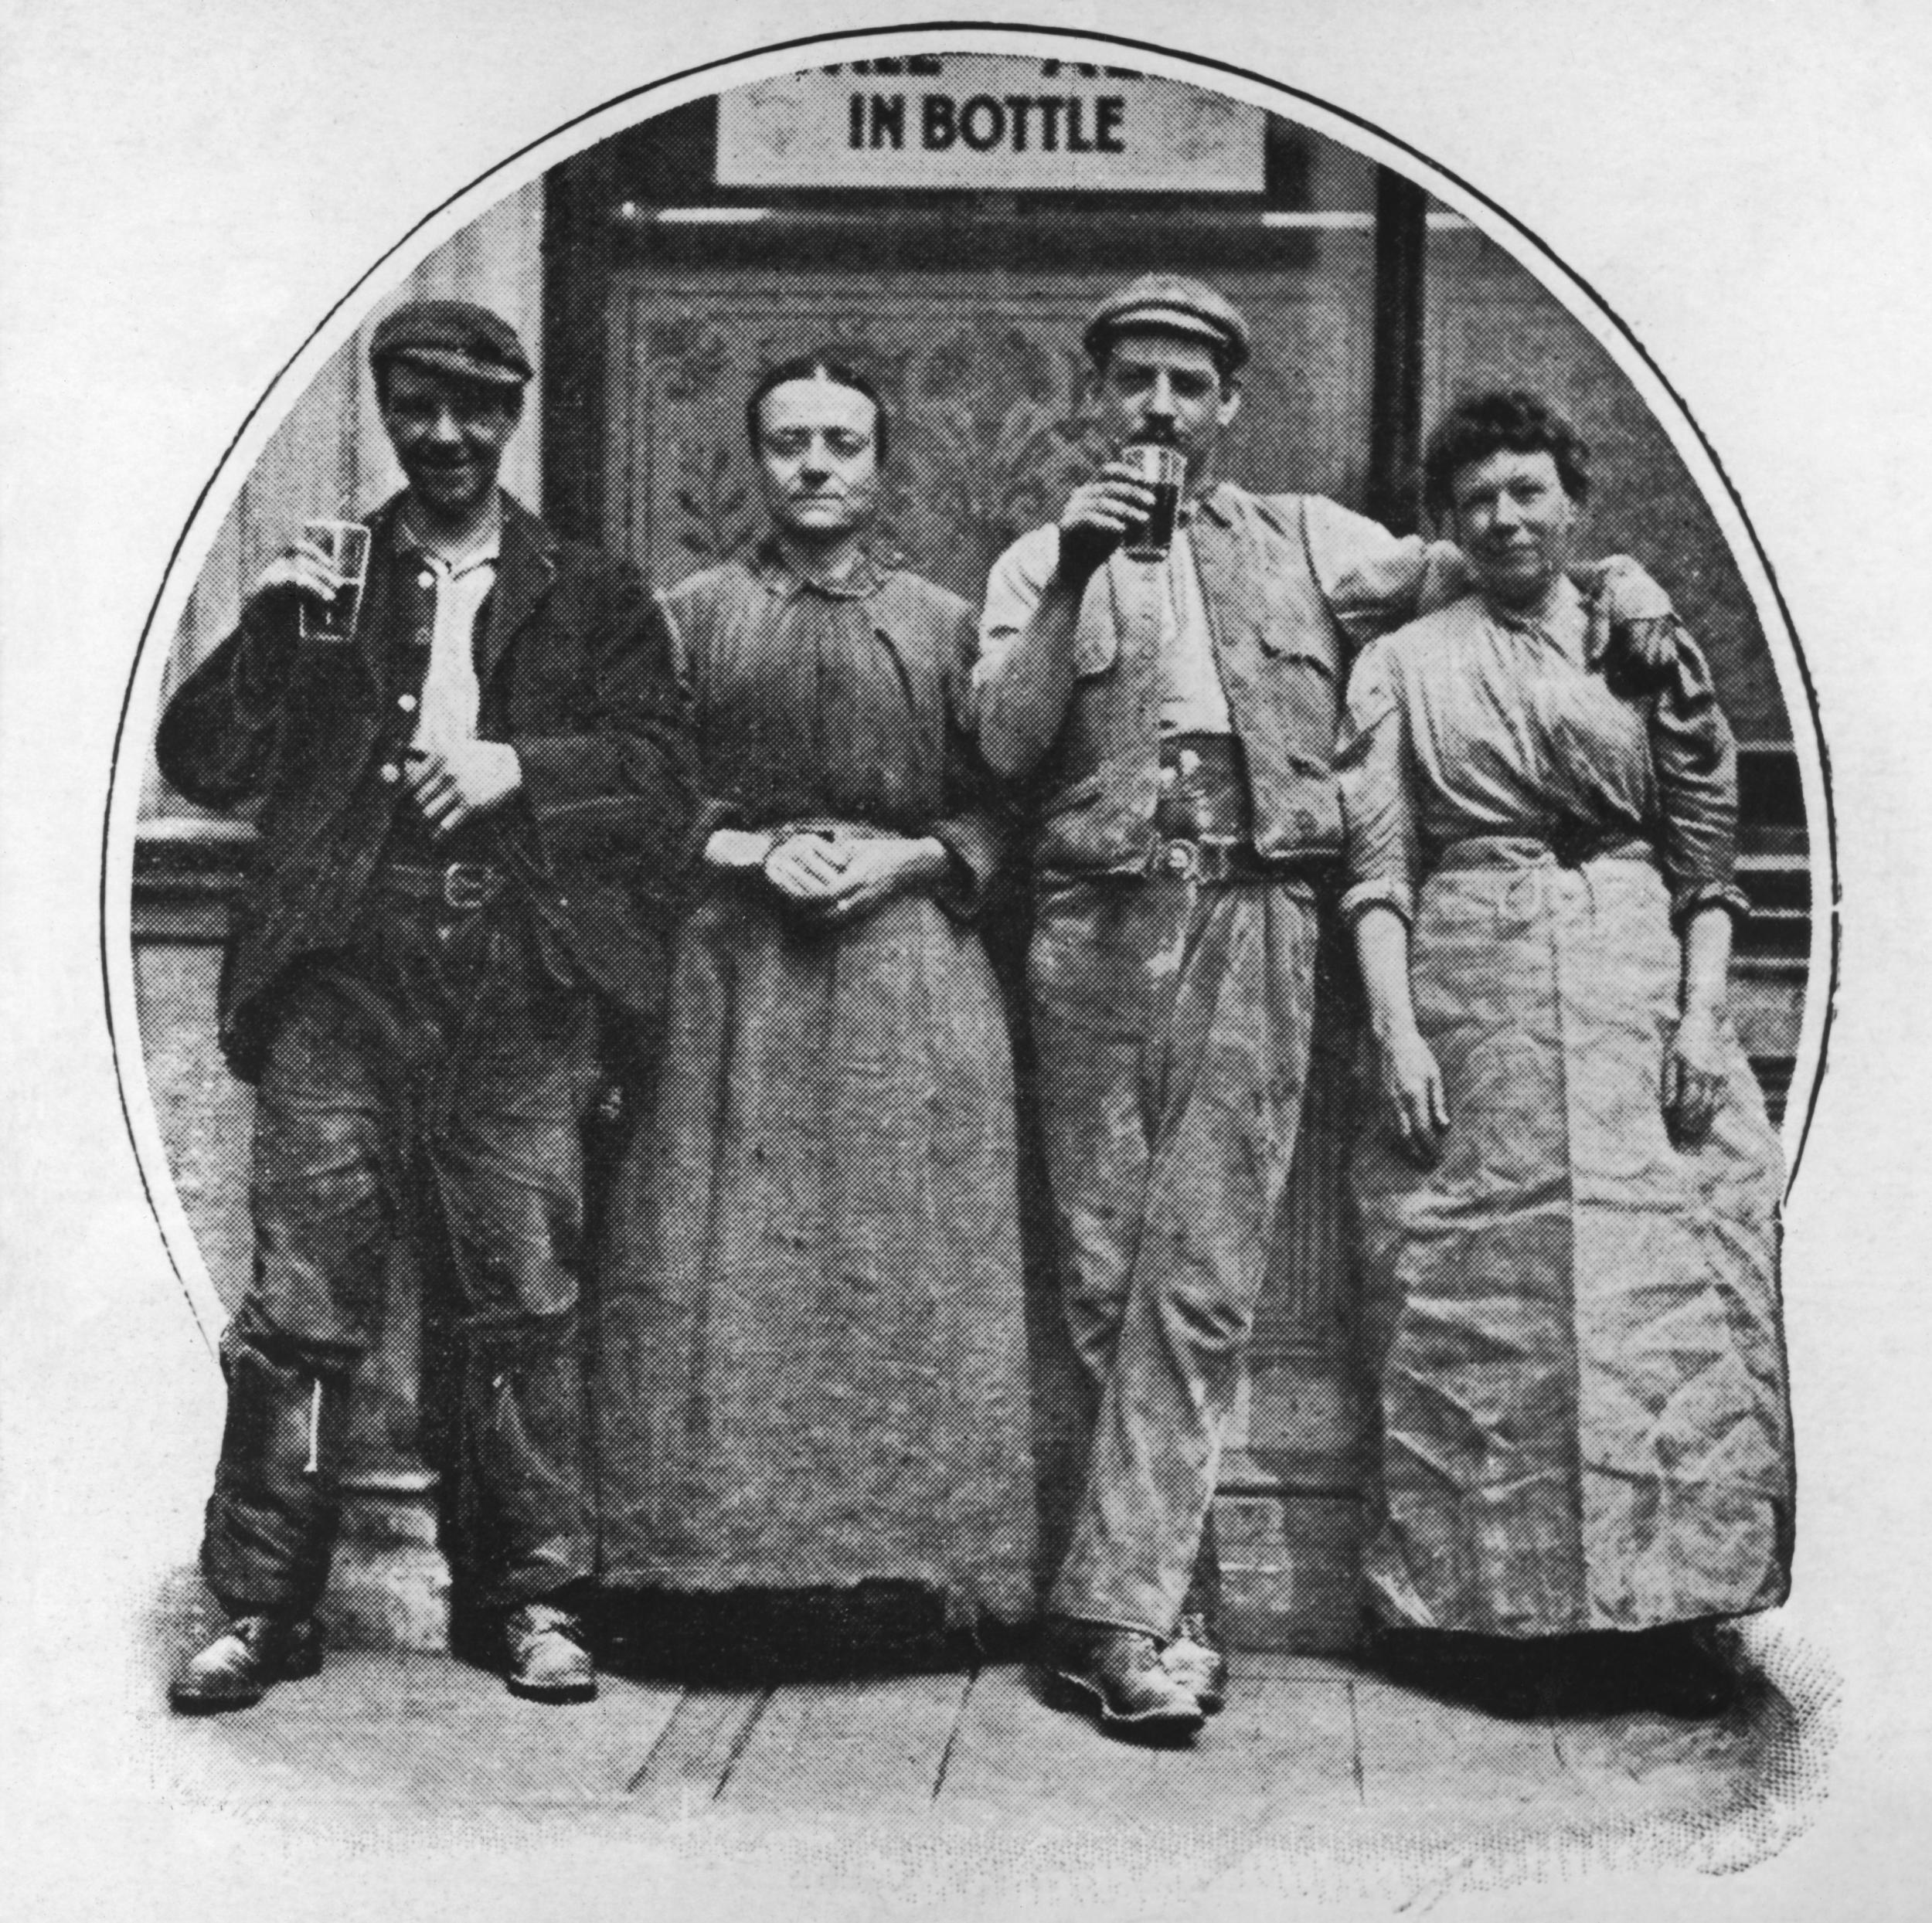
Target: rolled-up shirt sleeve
(1378, 810)
(1024, 676)
(1373, 581)
(1695, 756)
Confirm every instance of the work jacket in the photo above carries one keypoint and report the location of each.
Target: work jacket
(575, 671)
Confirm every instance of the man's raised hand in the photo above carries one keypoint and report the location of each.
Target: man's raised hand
(301, 568)
(1098, 515)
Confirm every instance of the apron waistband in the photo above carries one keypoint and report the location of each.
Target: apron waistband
(1530, 850)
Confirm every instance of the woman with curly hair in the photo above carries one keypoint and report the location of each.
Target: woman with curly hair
(1570, 1208)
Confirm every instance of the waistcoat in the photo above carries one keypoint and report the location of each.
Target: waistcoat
(1280, 658)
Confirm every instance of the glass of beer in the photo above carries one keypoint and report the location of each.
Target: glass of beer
(346, 544)
(1162, 466)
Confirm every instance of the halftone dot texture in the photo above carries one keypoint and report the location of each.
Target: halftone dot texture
(956, 1788)
(961, 1794)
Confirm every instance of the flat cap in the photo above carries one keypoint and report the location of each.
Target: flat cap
(1175, 304)
(452, 337)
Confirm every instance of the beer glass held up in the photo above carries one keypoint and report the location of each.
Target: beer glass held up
(346, 544)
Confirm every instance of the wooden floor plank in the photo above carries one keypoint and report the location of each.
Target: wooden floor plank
(870, 1747)
(1282, 1750)
(1017, 1759)
(701, 1744)
(424, 1733)
(378, 1736)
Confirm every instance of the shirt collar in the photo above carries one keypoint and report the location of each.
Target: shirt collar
(868, 574)
(486, 544)
(1558, 620)
(1209, 503)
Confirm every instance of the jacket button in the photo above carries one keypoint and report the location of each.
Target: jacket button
(426, 579)
(390, 772)
(406, 703)
(423, 637)
(1177, 860)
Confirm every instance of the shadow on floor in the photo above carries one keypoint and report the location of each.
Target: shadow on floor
(741, 1725)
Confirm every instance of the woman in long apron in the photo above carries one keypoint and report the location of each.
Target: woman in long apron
(1570, 1206)
(812, 1373)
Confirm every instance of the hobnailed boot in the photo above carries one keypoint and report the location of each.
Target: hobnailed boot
(1119, 1675)
(546, 1655)
(236, 1670)
(1197, 1655)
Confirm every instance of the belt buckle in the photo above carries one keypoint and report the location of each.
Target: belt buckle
(1214, 862)
(1181, 859)
(468, 886)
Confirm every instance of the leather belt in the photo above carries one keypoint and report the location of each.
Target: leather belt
(464, 886)
(1214, 862)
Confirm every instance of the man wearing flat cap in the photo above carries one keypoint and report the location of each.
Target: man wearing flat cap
(472, 803)
(1176, 722)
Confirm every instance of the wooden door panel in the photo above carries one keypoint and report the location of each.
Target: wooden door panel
(983, 375)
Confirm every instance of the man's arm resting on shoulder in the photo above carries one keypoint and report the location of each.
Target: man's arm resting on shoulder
(1024, 678)
(1374, 582)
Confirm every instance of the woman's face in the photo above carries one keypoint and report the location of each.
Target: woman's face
(818, 459)
(1510, 516)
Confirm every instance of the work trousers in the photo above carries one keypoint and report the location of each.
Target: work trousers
(429, 1081)
(1172, 1019)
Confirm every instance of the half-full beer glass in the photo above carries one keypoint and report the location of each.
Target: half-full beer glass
(346, 544)
(1163, 467)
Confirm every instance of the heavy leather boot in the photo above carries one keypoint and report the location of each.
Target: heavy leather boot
(1198, 1655)
(546, 1658)
(237, 1668)
(1119, 1676)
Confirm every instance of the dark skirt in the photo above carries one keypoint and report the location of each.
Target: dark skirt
(811, 1370)
(1573, 1324)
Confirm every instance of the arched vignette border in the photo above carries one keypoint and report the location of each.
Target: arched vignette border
(115, 926)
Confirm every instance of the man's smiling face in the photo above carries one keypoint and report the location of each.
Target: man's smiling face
(449, 435)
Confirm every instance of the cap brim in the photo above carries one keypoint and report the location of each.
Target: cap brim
(464, 367)
(1160, 320)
